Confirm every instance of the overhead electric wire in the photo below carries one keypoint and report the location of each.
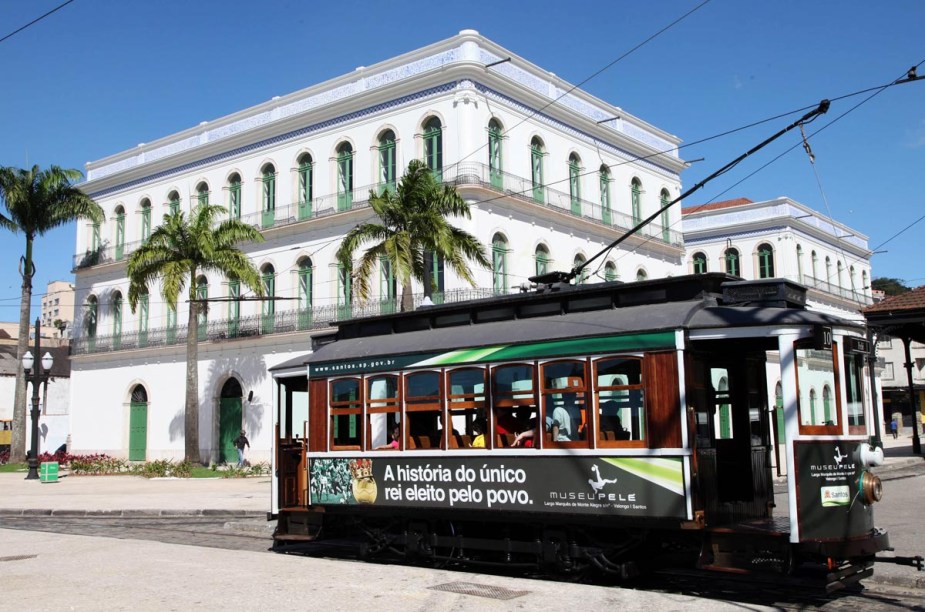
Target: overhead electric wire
(36, 20)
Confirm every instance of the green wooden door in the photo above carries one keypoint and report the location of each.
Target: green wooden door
(138, 431)
(229, 426)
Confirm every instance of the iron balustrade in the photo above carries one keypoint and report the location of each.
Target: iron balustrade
(463, 174)
(250, 326)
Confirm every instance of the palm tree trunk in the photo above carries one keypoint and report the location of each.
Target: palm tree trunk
(428, 274)
(407, 298)
(191, 423)
(18, 444)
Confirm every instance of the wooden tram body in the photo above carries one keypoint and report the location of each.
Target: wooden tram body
(605, 425)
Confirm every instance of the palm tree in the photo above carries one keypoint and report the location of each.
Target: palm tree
(36, 202)
(177, 252)
(414, 227)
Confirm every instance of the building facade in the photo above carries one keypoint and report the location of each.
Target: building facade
(552, 174)
(58, 309)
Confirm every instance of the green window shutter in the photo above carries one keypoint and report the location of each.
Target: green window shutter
(387, 165)
(234, 307)
(120, 236)
(574, 186)
(610, 272)
(542, 263)
(536, 172)
(268, 308)
(269, 198)
(765, 262)
(732, 262)
(202, 197)
(234, 200)
(202, 293)
(495, 165)
(143, 320)
(95, 240)
(305, 190)
(174, 205)
(433, 148)
(171, 324)
(145, 222)
(635, 199)
(345, 180)
(606, 215)
(305, 295)
(344, 292)
(499, 267)
(666, 231)
(117, 321)
(700, 263)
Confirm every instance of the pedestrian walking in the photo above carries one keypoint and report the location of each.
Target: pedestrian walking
(894, 428)
(239, 443)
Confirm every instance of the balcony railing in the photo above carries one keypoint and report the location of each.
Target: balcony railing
(828, 286)
(220, 330)
(465, 173)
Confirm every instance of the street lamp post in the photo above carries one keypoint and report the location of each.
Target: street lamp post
(39, 375)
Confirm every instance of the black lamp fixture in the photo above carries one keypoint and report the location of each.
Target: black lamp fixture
(38, 376)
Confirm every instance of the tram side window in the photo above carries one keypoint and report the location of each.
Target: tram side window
(565, 413)
(621, 400)
(817, 386)
(514, 404)
(854, 392)
(346, 414)
(383, 407)
(423, 410)
(467, 406)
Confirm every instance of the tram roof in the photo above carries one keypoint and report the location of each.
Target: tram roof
(610, 309)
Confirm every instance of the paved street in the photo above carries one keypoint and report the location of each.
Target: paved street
(128, 543)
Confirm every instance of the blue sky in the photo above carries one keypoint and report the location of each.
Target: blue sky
(100, 76)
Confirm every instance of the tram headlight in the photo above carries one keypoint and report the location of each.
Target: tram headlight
(870, 488)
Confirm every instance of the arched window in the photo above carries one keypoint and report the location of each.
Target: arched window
(542, 259)
(583, 275)
(641, 274)
(305, 292)
(731, 257)
(388, 289)
(305, 186)
(116, 320)
(813, 261)
(268, 310)
(765, 261)
(700, 263)
(344, 291)
(828, 272)
(574, 183)
(138, 424)
(433, 147)
(499, 263)
(91, 317)
(864, 284)
(839, 268)
(234, 306)
(120, 233)
(663, 199)
(145, 219)
(610, 271)
(536, 169)
(387, 161)
(495, 162)
(202, 194)
(344, 176)
(202, 310)
(96, 241)
(605, 180)
(636, 200)
(812, 408)
(799, 263)
(853, 279)
(827, 417)
(173, 202)
(436, 265)
(268, 189)
(234, 196)
(143, 306)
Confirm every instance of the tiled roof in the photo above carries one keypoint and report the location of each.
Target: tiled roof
(715, 206)
(904, 302)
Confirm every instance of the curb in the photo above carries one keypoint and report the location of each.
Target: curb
(911, 582)
(14, 512)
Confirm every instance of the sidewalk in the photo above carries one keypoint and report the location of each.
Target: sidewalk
(134, 496)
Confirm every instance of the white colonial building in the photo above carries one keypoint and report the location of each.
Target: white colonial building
(552, 174)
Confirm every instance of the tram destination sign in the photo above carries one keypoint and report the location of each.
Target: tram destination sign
(616, 486)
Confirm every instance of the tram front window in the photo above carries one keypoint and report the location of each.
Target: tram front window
(817, 386)
(854, 391)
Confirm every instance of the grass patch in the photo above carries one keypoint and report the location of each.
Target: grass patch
(203, 471)
(14, 467)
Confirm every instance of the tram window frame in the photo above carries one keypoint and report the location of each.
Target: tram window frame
(415, 405)
(339, 408)
(602, 440)
(508, 403)
(854, 393)
(576, 385)
(389, 405)
(469, 405)
(811, 429)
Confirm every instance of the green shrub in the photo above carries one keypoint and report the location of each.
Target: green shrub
(97, 465)
(163, 468)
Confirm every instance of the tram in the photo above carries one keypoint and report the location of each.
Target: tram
(609, 426)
